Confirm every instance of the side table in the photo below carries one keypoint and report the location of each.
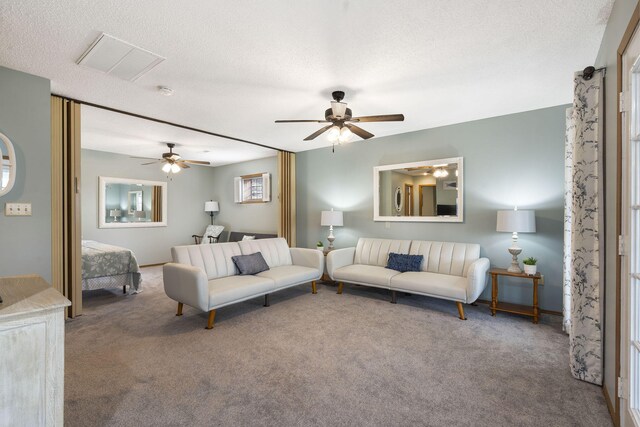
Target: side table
(531, 311)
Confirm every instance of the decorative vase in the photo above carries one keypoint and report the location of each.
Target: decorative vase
(320, 248)
(530, 269)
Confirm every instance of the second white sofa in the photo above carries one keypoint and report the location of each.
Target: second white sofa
(452, 271)
(205, 276)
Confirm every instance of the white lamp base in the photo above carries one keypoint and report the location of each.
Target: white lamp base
(515, 267)
(331, 238)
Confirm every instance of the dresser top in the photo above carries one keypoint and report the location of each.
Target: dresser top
(28, 294)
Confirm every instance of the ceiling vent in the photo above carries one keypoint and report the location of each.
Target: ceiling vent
(119, 58)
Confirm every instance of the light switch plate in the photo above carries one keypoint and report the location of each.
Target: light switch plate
(17, 209)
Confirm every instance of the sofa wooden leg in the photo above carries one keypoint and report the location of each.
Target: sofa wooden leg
(179, 313)
(266, 300)
(394, 297)
(314, 289)
(212, 315)
(340, 284)
(461, 310)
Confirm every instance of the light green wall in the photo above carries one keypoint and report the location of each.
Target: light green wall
(251, 217)
(186, 194)
(510, 160)
(25, 118)
(607, 57)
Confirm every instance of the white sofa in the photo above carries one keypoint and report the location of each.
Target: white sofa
(205, 277)
(452, 271)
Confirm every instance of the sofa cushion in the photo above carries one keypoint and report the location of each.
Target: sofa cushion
(215, 260)
(367, 274)
(402, 262)
(287, 275)
(250, 264)
(446, 257)
(227, 290)
(433, 284)
(376, 251)
(275, 251)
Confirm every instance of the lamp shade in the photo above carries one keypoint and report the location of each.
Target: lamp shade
(518, 221)
(331, 218)
(211, 206)
(115, 212)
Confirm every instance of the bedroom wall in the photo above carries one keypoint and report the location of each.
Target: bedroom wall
(25, 117)
(251, 217)
(607, 57)
(516, 159)
(186, 194)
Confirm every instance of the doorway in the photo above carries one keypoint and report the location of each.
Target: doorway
(408, 199)
(427, 200)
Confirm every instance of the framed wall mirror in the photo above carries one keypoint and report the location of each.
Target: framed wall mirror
(127, 203)
(427, 191)
(7, 165)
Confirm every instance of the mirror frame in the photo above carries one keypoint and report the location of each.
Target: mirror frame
(443, 218)
(11, 157)
(102, 190)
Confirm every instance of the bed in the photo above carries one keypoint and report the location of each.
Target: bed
(107, 266)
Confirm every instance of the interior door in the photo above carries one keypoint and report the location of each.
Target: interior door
(408, 200)
(630, 283)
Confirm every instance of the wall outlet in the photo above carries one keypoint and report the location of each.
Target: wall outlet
(17, 209)
(387, 224)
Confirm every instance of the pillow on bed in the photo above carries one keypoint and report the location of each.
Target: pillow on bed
(245, 237)
(250, 264)
(403, 263)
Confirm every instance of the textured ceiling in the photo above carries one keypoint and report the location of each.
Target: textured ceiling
(236, 66)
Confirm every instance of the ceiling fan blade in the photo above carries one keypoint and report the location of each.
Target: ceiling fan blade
(144, 158)
(318, 132)
(381, 118)
(359, 131)
(183, 165)
(196, 162)
(151, 163)
(302, 121)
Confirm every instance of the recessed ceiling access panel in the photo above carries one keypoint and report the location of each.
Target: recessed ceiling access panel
(119, 58)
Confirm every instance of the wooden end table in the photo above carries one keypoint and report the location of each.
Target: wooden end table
(531, 311)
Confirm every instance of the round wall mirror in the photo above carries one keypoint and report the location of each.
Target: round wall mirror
(8, 165)
(397, 199)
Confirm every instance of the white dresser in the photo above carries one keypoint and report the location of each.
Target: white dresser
(31, 352)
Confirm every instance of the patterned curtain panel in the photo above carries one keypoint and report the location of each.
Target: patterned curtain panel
(584, 210)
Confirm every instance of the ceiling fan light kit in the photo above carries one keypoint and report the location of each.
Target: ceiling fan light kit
(340, 119)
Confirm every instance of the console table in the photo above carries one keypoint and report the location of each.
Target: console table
(32, 348)
(531, 311)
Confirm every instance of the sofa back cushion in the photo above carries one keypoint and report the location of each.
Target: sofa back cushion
(446, 257)
(275, 251)
(214, 259)
(371, 251)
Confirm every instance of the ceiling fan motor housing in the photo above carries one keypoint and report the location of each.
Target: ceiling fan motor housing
(328, 115)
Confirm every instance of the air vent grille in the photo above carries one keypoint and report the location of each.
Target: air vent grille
(119, 58)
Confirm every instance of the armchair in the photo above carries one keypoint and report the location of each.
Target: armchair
(211, 234)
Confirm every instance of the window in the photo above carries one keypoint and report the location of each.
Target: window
(253, 188)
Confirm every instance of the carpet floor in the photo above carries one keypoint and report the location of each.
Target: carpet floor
(324, 359)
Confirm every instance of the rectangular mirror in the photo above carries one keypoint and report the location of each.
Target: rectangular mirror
(427, 191)
(127, 203)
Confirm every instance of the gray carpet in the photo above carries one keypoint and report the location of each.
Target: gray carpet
(325, 359)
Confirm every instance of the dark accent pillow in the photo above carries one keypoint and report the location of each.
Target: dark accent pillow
(250, 264)
(403, 263)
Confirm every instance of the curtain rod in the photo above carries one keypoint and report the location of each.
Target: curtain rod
(140, 116)
(588, 72)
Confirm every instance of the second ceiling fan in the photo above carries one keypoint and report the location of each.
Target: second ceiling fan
(173, 162)
(340, 119)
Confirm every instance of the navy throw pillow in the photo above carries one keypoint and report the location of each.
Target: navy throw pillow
(403, 263)
(250, 264)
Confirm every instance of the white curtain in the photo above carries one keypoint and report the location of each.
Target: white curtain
(584, 209)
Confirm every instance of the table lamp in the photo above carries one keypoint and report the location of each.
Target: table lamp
(515, 221)
(331, 218)
(115, 213)
(211, 207)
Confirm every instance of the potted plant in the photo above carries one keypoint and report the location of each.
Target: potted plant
(320, 245)
(530, 266)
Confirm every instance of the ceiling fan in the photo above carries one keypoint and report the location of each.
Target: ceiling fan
(341, 121)
(173, 162)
